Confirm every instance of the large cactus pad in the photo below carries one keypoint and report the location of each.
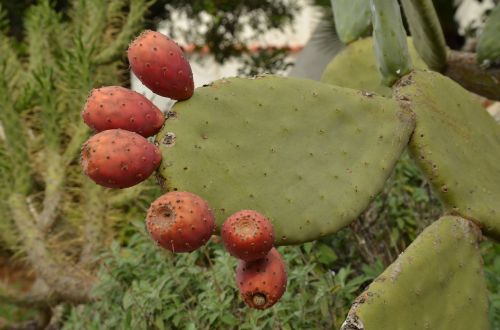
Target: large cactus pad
(355, 67)
(437, 283)
(309, 156)
(457, 145)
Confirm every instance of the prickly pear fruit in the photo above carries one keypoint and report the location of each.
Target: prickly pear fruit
(262, 282)
(160, 64)
(247, 235)
(119, 159)
(117, 107)
(180, 221)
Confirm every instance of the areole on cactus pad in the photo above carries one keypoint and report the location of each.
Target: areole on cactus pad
(309, 156)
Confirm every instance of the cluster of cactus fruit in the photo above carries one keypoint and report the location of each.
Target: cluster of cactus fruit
(120, 156)
(262, 144)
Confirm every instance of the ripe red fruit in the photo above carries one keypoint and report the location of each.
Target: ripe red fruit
(262, 282)
(160, 64)
(119, 159)
(247, 235)
(180, 221)
(117, 107)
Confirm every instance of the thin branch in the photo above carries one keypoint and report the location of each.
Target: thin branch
(79, 134)
(94, 223)
(54, 180)
(43, 319)
(56, 322)
(463, 68)
(134, 19)
(70, 283)
(34, 298)
(32, 208)
(26, 325)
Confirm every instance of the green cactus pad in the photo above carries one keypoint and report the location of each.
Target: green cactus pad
(355, 67)
(488, 47)
(426, 31)
(437, 283)
(352, 19)
(391, 49)
(309, 156)
(457, 145)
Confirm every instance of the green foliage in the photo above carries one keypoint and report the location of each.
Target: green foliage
(44, 81)
(491, 257)
(146, 288)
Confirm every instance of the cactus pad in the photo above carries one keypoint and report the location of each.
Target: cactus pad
(437, 283)
(488, 47)
(389, 40)
(309, 156)
(426, 31)
(355, 67)
(457, 145)
(352, 19)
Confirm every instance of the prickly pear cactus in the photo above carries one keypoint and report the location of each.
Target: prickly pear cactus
(309, 156)
(437, 283)
(457, 145)
(355, 67)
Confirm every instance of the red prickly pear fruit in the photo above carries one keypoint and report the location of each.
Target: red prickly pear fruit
(119, 159)
(247, 235)
(262, 282)
(180, 221)
(117, 107)
(160, 64)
